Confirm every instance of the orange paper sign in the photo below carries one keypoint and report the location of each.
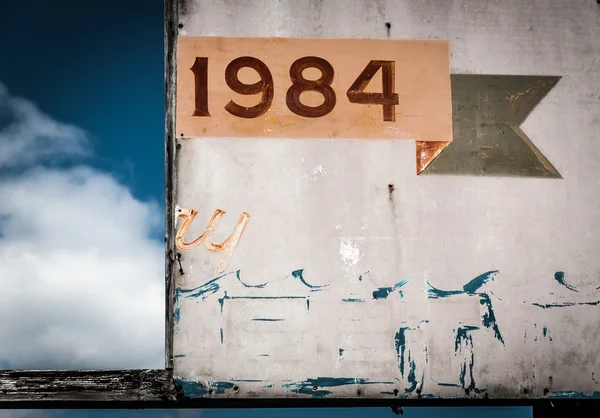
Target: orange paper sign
(313, 88)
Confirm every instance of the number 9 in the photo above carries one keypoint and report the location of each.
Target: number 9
(264, 86)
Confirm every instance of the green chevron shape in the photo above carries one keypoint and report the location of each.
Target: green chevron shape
(487, 111)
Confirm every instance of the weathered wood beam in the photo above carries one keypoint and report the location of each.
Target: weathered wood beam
(99, 388)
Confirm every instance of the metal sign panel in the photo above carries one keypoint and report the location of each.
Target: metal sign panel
(358, 89)
(332, 269)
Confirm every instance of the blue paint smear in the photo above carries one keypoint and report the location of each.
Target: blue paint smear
(268, 319)
(361, 276)
(225, 297)
(489, 317)
(307, 387)
(463, 335)
(221, 387)
(545, 331)
(383, 292)
(474, 285)
(435, 293)
(263, 355)
(191, 389)
(308, 304)
(472, 385)
(400, 344)
(454, 385)
(178, 355)
(559, 276)
(202, 291)
(565, 304)
(353, 300)
(574, 395)
(222, 301)
(412, 379)
(297, 274)
(176, 314)
(221, 335)
(341, 353)
(258, 286)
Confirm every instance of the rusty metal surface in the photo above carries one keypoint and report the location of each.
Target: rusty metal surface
(357, 279)
(487, 112)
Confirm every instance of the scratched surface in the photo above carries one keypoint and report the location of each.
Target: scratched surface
(353, 276)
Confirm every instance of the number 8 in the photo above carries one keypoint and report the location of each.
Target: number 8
(301, 84)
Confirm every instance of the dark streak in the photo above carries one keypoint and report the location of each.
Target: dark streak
(566, 304)
(268, 319)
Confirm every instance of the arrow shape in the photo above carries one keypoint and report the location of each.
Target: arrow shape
(487, 111)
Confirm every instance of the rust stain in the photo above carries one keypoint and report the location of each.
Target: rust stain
(227, 247)
(427, 152)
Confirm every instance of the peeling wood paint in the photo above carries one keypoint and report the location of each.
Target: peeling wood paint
(93, 386)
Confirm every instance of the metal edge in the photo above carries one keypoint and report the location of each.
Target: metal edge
(170, 53)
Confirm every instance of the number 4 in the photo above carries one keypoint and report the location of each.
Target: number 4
(387, 98)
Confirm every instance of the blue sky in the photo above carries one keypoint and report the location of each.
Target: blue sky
(82, 199)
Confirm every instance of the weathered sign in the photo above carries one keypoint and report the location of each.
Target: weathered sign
(313, 88)
(329, 268)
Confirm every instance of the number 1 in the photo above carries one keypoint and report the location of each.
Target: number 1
(387, 97)
(200, 70)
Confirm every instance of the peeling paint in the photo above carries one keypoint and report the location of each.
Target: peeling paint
(463, 335)
(319, 171)
(308, 386)
(349, 253)
(412, 379)
(574, 395)
(192, 389)
(470, 289)
(383, 292)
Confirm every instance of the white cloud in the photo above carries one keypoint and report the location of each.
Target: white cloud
(81, 281)
(28, 136)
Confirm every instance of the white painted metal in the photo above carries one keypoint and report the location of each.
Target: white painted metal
(324, 207)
